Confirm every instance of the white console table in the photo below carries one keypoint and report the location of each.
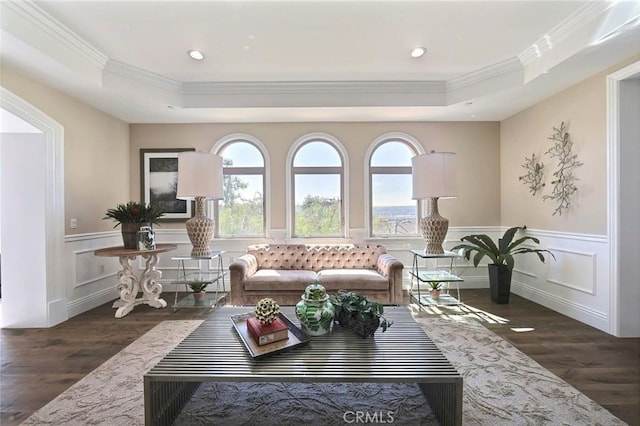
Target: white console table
(130, 284)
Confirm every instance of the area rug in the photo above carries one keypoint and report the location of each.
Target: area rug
(502, 386)
(295, 404)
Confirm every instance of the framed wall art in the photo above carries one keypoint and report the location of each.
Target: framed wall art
(159, 182)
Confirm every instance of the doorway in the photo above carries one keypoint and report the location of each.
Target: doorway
(31, 218)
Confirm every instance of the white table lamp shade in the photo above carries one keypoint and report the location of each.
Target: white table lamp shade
(199, 175)
(200, 178)
(434, 175)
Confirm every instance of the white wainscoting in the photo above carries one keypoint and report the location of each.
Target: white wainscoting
(91, 280)
(575, 284)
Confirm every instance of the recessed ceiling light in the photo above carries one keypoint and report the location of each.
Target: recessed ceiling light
(418, 51)
(196, 55)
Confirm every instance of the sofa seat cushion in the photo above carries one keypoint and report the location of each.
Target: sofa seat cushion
(279, 280)
(352, 279)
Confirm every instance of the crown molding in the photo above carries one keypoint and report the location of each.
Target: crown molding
(253, 88)
(563, 31)
(142, 76)
(42, 22)
(315, 87)
(482, 75)
(310, 94)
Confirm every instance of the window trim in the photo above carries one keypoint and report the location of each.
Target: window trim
(414, 145)
(344, 178)
(219, 146)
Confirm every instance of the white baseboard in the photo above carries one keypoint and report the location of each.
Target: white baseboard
(562, 305)
(57, 312)
(78, 306)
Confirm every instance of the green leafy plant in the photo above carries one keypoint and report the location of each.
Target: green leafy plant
(501, 253)
(359, 307)
(435, 285)
(134, 212)
(198, 286)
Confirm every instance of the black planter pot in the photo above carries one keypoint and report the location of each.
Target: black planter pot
(500, 283)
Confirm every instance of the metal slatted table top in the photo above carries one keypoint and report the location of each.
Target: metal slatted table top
(214, 352)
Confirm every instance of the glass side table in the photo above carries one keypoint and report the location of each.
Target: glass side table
(436, 275)
(215, 276)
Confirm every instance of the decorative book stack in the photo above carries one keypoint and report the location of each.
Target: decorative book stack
(265, 334)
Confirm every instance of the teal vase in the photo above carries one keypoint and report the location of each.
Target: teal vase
(314, 311)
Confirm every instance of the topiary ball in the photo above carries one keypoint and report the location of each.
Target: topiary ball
(266, 311)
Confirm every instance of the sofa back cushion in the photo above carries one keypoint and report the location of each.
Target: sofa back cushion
(317, 257)
(278, 256)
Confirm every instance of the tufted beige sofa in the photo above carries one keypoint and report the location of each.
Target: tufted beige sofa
(283, 271)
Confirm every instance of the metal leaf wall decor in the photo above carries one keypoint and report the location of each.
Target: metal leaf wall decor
(563, 182)
(535, 174)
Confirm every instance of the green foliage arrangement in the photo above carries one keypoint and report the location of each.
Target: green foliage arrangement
(134, 212)
(435, 285)
(501, 253)
(359, 307)
(198, 286)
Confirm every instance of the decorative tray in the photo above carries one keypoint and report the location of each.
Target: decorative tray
(296, 337)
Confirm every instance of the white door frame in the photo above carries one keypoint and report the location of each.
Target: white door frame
(613, 186)
(56, 298)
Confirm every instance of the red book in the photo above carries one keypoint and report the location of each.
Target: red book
(264, 334)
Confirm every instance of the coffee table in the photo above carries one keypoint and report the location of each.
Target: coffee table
(214, 352)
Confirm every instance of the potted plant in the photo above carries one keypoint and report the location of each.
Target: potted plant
(436, 286)
(501, 255)
(359, 313)
(132, 216)
(198, 288)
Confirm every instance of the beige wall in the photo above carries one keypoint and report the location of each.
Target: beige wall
(582, 107)
(476, 143)
(102, 156)
(96, 152)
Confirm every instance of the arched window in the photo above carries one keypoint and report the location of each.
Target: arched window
(317, 188)
(392, 212)
(242, 211)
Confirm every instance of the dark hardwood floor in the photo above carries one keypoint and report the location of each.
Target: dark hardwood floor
(39, 364)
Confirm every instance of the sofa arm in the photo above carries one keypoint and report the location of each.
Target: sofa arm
(239, 270)
(390, 267)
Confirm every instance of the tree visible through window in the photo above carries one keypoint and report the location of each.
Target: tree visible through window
(393, 212)
(241, 212)
(317, 190)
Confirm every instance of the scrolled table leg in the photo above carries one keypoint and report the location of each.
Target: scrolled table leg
(151, 288)
(128, 288)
